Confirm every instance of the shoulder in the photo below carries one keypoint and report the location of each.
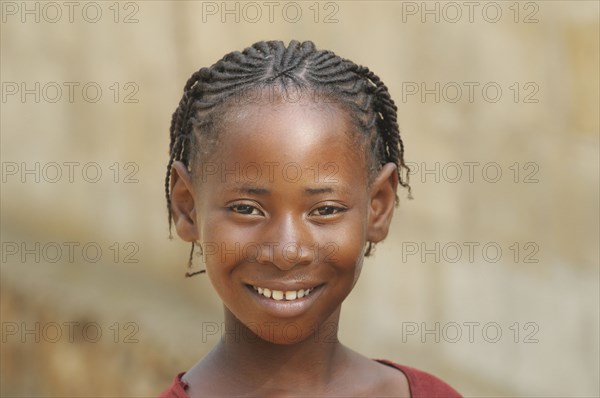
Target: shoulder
(423, 384)
(176, 389)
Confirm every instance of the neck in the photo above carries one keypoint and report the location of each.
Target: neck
(312, 363)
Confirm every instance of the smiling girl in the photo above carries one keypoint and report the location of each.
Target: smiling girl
(284, 168)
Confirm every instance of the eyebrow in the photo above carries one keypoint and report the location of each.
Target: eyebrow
(252, 190)
(317, 191)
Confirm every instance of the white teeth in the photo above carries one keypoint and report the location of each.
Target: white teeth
(277, 295)
(280, 295)
(290, 295)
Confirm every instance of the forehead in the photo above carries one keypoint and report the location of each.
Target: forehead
(288, 128)
(302, 134)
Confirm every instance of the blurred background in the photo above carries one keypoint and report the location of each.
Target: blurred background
(489, 279)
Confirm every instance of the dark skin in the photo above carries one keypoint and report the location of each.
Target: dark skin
(295, 197)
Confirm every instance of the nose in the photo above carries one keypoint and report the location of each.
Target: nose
(287, 244)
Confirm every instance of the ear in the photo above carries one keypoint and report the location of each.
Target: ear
(382, 202)
(183, 206)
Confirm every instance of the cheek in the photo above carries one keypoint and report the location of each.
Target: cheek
(227, 247)
(346, 250)
(231, 295)
(217, 244)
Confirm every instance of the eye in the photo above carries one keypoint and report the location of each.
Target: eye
(246, 209)
(328, 210)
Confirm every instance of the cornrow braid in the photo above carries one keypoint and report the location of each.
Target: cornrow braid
(271, 64)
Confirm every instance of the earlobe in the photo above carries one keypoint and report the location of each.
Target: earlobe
(382, 203)
(183, 204)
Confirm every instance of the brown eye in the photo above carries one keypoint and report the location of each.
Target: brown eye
(328, 210)
(245, 209)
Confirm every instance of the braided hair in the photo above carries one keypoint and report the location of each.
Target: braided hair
(271, 64)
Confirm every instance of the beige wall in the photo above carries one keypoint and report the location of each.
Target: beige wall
(547, 213)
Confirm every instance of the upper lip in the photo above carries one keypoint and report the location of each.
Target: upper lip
(274, 285)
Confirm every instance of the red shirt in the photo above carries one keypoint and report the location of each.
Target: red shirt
(421, 384)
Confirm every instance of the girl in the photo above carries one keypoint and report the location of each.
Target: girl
(284, 168)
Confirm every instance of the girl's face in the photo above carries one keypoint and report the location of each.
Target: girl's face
(283, 212)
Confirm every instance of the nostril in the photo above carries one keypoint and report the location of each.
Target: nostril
(291, 252)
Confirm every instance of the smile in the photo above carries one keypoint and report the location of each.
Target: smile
(280, 301)
(279, 295)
